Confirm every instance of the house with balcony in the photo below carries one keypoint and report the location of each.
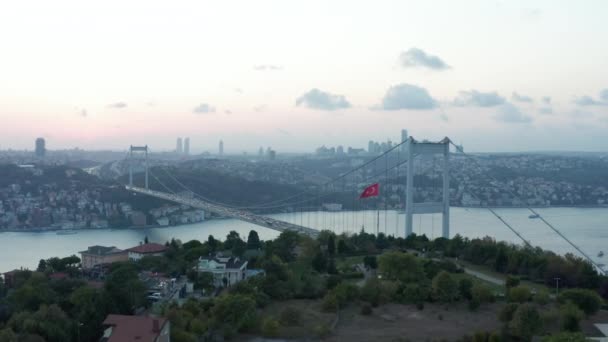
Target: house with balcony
(226, 270)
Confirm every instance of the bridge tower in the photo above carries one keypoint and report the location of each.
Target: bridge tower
(138, 153)
(416, 148)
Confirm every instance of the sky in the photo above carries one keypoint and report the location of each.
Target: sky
(295, 75)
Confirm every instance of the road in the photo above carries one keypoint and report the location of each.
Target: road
(242, 215)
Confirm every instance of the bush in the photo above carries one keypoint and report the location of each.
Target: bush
(519, 294)
(465, 286)
(570, 316)
(270, 327)
(445, 288)
(506, 314)
(378, 292)
(322, 330)
(415, 293)
(526, 322)
(330, 302)
(366, 309)
(333, 281)
(482, 293)
(587, 300)
(565, 337)
(512, 281)
(474, 304)
(542, 298)
(290, 316)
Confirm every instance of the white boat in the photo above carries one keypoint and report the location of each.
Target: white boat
(600, 254)
(534, 216)
(67, 232)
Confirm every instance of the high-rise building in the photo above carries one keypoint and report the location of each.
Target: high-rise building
(221, 148)
(40, 147)
(179, 148)
(370, 147)
(340, 150)
(404, 137)
(187, 146)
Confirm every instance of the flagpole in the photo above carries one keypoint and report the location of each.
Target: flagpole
(377, 222)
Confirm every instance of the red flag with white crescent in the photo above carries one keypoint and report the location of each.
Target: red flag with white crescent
(371, 191)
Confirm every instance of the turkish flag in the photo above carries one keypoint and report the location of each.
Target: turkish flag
(371, 191)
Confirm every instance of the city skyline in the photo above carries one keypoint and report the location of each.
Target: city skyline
(111, 75)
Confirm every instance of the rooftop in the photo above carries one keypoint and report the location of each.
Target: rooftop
(102, 250)
(148, 248)
(133, 328)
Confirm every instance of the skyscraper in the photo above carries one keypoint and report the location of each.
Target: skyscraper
(179, 149)
(187, 146)
(404, 137)
(221, 148)
(40, 147)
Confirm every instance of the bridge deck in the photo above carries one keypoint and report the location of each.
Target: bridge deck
(263, 221)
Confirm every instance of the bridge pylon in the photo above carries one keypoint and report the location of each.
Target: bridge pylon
(138, 153)
(416, 148)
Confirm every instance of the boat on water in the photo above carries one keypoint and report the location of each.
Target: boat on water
(67, 232)
(534, 216)
(600, 254)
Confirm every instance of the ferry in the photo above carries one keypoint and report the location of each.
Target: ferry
(600, 254)
(67, 232)
(534, 216)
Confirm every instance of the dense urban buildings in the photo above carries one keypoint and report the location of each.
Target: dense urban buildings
(40, 147)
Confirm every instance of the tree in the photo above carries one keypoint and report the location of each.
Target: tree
(124, 288)
(146, 239)
(465, 286)
(400, 266)
(90, 307)
(520, 294)
(565, 337)
(49, 322)
(587, 300)
(231, 239)
(370, 262)
(234, 313)
(213, 243)
(270, 327)
(41, 265)
(511, 281)
(319, 262)
(331, 245)
(445, 288)
(239, 247)
(253, 240)
(506, 313)
(284, 245)
(570, 316)
(526, 322)
(342, 248)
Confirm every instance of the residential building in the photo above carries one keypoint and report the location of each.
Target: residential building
(146, 249)
(232, 269)
(187, 146)
(99, 255)
(122, 328)
(40, 147)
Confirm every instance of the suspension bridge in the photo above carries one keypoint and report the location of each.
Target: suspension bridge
(398, 171)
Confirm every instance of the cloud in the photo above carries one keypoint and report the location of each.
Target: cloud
(521, 98)
(604, 95)
(204, 108)
(510, 114)
(479, 99)
(545, 110)
(588, 101)
(407, 96)
(117, 105)
(84, 113)
(415, 57)
(267, 67)
(318, 99)
(546, 99)
(581, 114)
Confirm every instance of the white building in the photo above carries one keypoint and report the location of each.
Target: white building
(230, 268)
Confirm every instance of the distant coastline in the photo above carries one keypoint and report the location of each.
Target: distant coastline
(401, 211)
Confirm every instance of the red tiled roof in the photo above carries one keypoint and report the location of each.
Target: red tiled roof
(133, 328)
(148, 248)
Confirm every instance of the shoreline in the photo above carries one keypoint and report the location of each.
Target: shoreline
(400, 211)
